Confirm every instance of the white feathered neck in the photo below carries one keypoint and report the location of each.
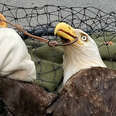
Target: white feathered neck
(80, 57)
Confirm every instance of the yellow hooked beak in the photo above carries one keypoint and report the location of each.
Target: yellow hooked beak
(66, 31)
(2, 23)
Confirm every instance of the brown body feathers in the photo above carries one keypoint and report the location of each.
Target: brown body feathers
(90, 92)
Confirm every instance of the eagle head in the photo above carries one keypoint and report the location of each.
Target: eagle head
(82, 54)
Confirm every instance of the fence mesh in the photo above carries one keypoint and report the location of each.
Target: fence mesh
(38, 20)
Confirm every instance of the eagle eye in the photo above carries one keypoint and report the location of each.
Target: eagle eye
(84, 37)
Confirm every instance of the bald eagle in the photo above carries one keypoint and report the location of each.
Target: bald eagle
(89, 86)
(82, 54)
(15, 61)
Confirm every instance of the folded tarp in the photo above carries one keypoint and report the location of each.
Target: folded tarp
(107, 52)
(48, 67)
(110, 64)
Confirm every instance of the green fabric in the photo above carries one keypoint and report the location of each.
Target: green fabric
(110, 64)
(107, 52)
(50, 53)
(49, 73)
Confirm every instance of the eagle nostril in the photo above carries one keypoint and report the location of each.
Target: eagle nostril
(69, 28)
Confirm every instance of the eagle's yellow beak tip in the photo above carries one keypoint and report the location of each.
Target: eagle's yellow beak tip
(2, 23)
(65, 30)
(59, 26)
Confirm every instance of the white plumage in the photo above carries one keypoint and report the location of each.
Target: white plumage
(15, 61)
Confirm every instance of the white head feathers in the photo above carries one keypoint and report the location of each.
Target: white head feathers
(81, 56)
(15, 61)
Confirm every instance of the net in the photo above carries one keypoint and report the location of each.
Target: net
(40, 21)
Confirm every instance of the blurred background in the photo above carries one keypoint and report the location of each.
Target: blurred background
(107, 5)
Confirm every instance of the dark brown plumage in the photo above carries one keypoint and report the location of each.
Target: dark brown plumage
(24, 99)
(90, 92)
